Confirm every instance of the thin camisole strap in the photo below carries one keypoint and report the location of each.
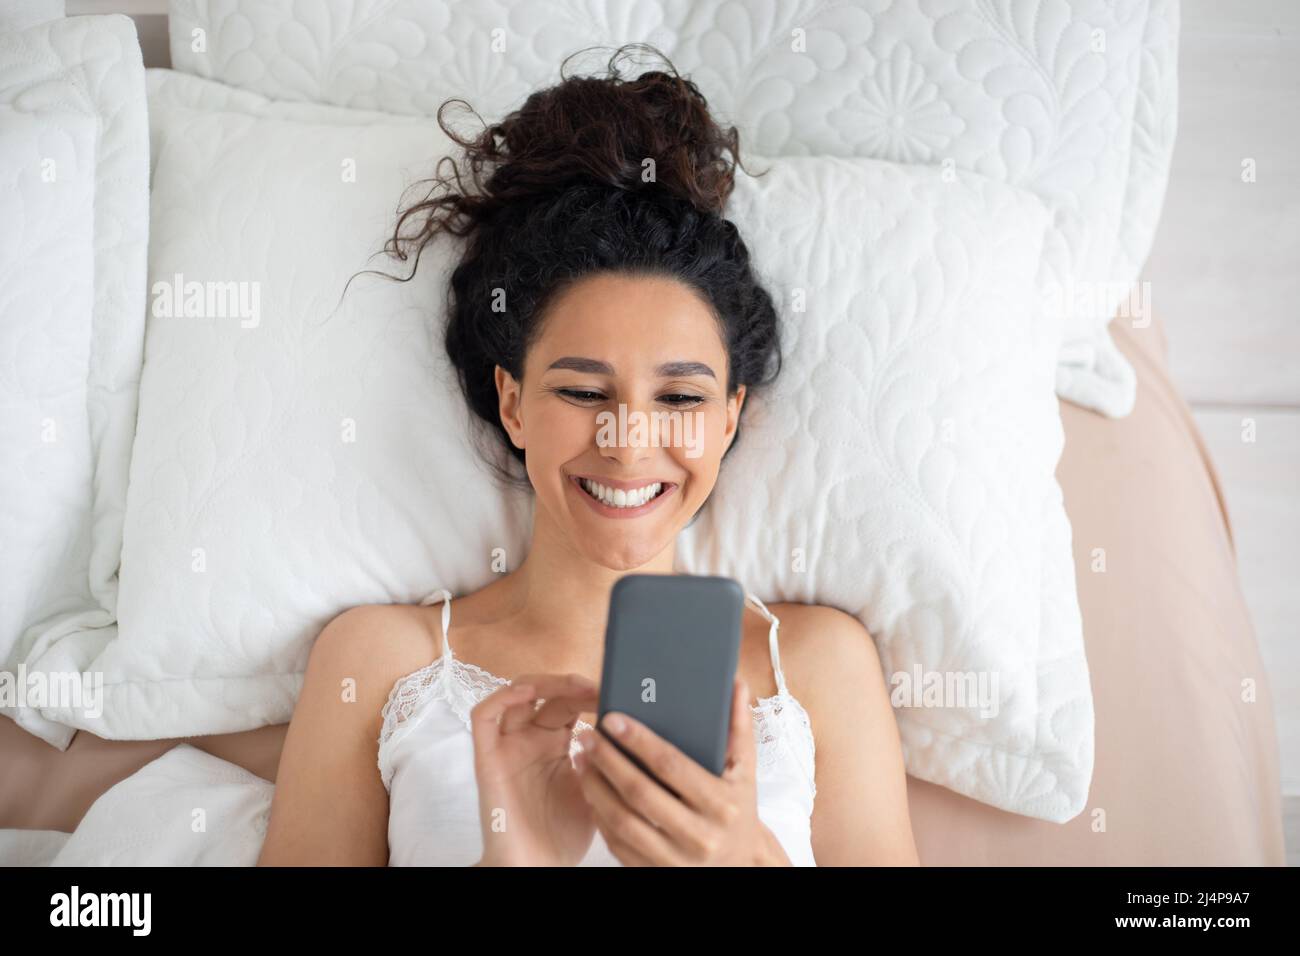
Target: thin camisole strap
(442, 594)
(771, 640)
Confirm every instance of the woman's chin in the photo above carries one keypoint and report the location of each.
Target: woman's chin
(624, 558)
(621, 551)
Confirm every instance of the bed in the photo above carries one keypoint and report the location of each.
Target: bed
(1169, 644)
(1159, 749)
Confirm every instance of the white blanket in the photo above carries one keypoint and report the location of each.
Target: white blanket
(187, 808)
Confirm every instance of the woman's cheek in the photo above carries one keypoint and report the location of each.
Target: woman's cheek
(701, 461)
(715, 430)
(567, 428)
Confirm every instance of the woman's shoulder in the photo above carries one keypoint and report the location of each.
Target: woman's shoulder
(403, 626)
(820, 624)
(826, 654)
(379, 643)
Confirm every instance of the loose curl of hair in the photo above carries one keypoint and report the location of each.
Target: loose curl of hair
(557, 191)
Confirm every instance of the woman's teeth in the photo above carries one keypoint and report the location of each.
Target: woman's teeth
(617, 497)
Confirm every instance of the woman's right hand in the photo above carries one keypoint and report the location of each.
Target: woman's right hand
(531, 806)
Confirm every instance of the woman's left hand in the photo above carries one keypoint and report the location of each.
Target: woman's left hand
(714, 823)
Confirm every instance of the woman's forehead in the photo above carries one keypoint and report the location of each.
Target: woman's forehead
(631, 323)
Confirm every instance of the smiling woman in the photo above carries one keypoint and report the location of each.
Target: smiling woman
(640, 326)
(599, 282)
(596, 179)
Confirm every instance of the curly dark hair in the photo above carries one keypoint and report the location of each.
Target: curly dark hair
(558, 190)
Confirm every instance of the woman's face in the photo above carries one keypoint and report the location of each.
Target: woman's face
(625, 386)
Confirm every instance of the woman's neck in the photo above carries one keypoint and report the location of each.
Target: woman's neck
(563, 594)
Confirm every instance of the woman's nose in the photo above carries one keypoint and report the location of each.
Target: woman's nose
(625, 432)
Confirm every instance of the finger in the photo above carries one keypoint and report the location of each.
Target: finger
(486, 714)
(741, 749)
(695, 786)
(518, 715)
(624, 852)
(627, 854)
(640, 792)
(574, 696)
(629, 836)
(558, 700)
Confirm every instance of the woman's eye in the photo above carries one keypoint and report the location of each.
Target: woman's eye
(682, 401)
(582, 396)
(588, 397)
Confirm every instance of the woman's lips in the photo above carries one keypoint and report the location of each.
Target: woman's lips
(624, 484)
(605, 510)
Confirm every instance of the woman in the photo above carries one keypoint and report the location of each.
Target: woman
(598, 276)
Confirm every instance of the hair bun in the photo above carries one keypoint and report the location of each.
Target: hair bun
(649, 134)
(652, 132)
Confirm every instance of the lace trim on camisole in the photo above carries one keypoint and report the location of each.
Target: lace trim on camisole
(463, 685)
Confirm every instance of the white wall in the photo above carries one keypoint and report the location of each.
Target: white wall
(1225, 278)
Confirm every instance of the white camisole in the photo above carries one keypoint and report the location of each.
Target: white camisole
(426, 761)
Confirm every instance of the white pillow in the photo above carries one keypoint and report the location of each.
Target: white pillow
(74, 202)
(918, 369)
(18, 15)
(288, 463)
(902, 467)
(1073, 99)
(148, 818)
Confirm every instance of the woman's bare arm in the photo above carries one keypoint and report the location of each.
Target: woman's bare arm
(860, 816)
(330, 806)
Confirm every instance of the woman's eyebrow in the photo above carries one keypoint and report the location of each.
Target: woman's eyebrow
(577, 363)
(684, 369)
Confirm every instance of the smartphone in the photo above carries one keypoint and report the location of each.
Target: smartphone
(672, 643)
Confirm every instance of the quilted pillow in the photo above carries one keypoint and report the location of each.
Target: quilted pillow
(902, 467)
(74, 203)
(1073, 99)
(297, 454)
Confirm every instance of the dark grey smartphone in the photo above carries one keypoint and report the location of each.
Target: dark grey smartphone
(671, 648)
